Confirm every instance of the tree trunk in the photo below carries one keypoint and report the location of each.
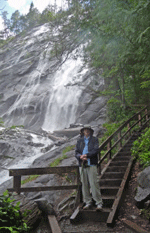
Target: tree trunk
(29, 207)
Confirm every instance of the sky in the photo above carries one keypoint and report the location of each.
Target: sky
(23, 6)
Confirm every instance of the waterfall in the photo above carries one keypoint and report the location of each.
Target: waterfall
(61, 91)
(64, 98)
(45, 91)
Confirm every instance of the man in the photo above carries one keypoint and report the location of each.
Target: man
(86, 153)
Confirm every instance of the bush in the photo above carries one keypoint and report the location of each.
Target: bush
(11, 219)
(141, 148)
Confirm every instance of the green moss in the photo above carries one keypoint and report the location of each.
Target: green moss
(16, 126)
(29, 178)
(67, 149)
(57, 161)
(7, 157)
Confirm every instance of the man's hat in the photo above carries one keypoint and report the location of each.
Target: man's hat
(87, 127)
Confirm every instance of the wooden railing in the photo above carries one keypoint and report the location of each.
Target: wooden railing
(17, 173)
(115, 142)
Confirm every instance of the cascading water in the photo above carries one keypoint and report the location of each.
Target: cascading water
(63, 101)
(53, 91)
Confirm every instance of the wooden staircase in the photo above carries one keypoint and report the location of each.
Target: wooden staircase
(114, 176)
(113, 182)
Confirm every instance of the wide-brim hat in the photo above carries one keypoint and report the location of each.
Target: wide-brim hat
(87, 127)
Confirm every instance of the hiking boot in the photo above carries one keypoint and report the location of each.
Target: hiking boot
(99, 208)
(87, 207)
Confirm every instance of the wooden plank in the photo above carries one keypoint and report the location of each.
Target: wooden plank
(133, 226)
(54, 224)
(117, 201)
(43, 170)
(17, 184)
(45, 188)
(95, 216)
(75, 217)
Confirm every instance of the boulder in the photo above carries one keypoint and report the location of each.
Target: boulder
(143, 190)
(45, 206)
(143, 178)
(142, 194)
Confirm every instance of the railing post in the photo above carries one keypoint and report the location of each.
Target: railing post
(146, 112)
(108, 148)
(119, 136)
(79, 190)
(139, 118)
(17, 184)
(128, 125)
(99, 164)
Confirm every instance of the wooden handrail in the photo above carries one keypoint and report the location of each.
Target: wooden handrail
(43, 170)
(119, 129)
(17, 173)
(120, 137)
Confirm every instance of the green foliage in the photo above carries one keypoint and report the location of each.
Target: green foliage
(119, 36)
(145, 213)
(4, 42)
(10, 216)
(57, 161)
(29, 178)
(141, 148)
(16, 126)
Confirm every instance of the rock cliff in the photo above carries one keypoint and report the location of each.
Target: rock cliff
(42, 87)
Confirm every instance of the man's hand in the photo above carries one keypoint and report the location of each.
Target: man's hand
(83, 157)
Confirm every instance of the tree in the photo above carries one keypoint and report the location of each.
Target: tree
(15, 22)
(33, 17)
(48, 14)
(119, 33)
(31, 7)
(6, 24)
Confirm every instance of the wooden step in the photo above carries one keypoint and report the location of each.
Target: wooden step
(113, 175)
(118, 163)
(93, 215)
(116, 169)
(122, 158)
(124, 153)
(108, 200)
(109, 190)
(118, 199)
(80, 215)
(126, 150)
(110, 182)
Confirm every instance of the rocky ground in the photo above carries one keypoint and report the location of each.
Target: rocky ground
(128, 211)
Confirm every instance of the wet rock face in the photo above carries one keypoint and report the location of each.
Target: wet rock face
(13, 146)
(31, 77)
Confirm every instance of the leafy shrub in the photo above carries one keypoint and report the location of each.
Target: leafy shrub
(11, 219)
(141, 148)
